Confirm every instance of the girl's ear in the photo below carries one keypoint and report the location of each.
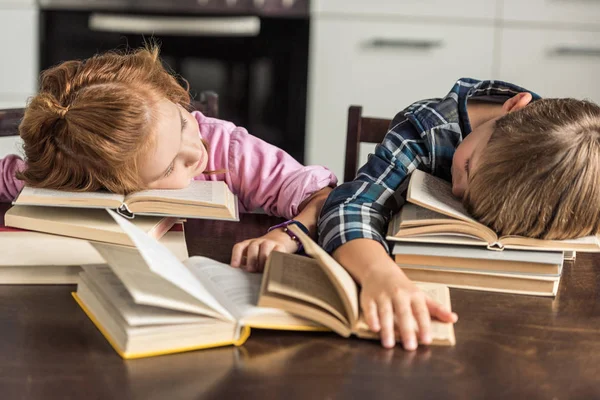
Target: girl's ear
(517, 102)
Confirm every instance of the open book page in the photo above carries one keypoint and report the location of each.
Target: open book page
(586, 243)
(434, 193)
(304, 279)
(200, 192)
(412, 215)
(37, 196)
(163, 263)
(148, 288)
(238, 291)
(235, 289)
(102, 278)
(341, 279)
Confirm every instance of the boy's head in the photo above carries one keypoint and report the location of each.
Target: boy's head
(534, 171)
(114, 121)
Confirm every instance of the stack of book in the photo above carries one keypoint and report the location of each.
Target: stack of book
(435, 240)
(46, 235)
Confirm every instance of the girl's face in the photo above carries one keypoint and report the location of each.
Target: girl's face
(178, 155)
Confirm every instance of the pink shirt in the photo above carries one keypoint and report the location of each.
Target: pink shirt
(261, 175)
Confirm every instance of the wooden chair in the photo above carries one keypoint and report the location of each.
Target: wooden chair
(208, 104)
(361, 130)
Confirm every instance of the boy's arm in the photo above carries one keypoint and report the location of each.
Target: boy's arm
(10, 186)
(352, 227)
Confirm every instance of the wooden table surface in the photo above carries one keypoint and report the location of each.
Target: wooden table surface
(508, 346)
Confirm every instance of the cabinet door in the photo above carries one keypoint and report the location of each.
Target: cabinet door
(553, 11)
(552, 63)
(18, 50)
(383, 66)
(463, 9)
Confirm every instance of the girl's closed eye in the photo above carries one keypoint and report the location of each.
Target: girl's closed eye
(467, 167)
(170, 169)
(183, 123)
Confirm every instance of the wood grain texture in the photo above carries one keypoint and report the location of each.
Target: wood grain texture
(508, 346)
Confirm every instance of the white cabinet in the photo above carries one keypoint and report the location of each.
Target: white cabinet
(462, 9)
(384, 66)
(554, 63)
(19, 48)
(555, 12)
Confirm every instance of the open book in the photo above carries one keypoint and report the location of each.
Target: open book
(201, 199)
(321, 290)
(434, 215)
(146, 302)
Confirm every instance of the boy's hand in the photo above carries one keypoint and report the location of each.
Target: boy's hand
(392, 303)
(251, 255)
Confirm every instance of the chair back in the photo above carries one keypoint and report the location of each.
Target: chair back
(361, 130)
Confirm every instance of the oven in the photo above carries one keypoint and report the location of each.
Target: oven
(253, 53)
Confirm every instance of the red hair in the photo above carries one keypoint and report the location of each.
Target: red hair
(92, 121)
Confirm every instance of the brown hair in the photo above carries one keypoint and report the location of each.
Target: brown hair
(539, 174)
(92, 121)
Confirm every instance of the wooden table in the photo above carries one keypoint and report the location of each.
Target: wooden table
(508, 346)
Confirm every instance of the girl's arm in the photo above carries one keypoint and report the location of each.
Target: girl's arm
(10, 186)
(265, 176)
(252, 254)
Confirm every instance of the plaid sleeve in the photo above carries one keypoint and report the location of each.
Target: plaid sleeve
(362, 208)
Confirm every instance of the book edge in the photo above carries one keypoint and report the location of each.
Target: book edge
(244, 334)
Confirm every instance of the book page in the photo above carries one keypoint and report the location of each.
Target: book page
(434, 193)
(339, 277)
(201, 192)
(101, 277)
(413, 215)
(304, 279)
(38, 196)
(164, 264)
(232, 287)
(148, 288)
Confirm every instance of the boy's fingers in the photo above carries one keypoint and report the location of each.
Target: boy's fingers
(386, 320)
(370, 311)
(437, 311)
(421, 314)
(405, 323)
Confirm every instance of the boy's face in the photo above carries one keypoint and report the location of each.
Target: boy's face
(467, 154)
(178, 154)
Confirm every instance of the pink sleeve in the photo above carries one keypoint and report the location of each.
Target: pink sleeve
(269, 178)
(10, 186)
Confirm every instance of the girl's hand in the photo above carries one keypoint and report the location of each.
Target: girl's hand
(251, 255)
(392, 303)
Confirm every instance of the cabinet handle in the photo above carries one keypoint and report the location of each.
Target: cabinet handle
(238, 26)
(408, 44)
(572, 51)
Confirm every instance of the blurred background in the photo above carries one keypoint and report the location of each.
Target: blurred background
(287, 70)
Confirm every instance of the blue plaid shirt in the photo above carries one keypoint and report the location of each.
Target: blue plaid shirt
(424, 136)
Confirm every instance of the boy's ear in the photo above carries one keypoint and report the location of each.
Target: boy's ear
(517, 102)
